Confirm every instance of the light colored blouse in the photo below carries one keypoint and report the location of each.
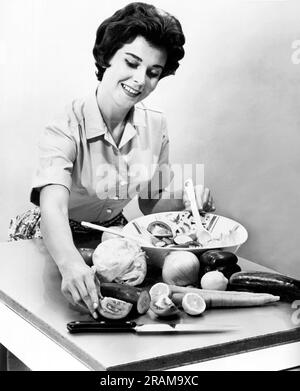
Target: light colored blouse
(77, 151)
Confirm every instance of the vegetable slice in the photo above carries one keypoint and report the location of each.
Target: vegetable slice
(193, 304)
(112, 308)
(159, 289)
(163, 306)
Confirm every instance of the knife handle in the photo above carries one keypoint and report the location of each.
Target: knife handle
(86, 326)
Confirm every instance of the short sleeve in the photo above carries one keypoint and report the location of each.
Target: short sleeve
(56, 155)
(163, 174)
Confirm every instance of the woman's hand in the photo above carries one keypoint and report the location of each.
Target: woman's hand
(81, 287)
(204, 199)
(79, 282)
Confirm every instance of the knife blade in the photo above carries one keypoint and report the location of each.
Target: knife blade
(151, 328)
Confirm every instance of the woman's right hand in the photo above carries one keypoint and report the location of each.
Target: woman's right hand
(79, 282)
(81, 286)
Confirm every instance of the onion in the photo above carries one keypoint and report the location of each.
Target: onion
(120, 260)
(181, 268)
(214, 280)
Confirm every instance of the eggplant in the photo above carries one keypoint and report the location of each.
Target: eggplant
(217, 258)
(87, 254)
(266, 282)
(229, 270)
(223, 261)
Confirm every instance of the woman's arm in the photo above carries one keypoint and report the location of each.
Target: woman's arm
(79, 284)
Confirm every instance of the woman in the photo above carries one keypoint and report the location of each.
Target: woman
(102, 151)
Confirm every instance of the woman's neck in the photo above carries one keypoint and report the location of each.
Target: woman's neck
(112, 115)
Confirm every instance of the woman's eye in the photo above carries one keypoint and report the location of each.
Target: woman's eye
(150, 73)
(153, 74)
(131, 64)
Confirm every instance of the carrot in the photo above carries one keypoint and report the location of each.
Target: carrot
(214, 298)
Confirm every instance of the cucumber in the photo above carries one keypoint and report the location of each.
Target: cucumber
(140, 298)
(277, 284)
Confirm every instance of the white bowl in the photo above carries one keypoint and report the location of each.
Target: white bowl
(215, 224)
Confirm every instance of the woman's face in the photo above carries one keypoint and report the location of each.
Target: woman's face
(134, 72)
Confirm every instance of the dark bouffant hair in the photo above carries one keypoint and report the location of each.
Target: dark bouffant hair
(158, 27)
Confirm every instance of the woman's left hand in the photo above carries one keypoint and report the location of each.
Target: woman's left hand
(204, 199)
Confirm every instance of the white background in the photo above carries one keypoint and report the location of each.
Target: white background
(233, 105)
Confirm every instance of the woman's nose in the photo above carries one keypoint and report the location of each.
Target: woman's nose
(140, 75)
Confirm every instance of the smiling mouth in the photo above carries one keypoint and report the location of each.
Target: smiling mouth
(130, 91)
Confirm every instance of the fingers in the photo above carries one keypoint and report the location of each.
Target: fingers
(209, 205)
(92, 291)
(207, 200)
(97, 284)
(204, 199)
(88, 293)
(213, 207)
(83, 290)
(74, 298)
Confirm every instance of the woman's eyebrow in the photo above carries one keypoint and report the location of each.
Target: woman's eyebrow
(140, 60)
(135, 56)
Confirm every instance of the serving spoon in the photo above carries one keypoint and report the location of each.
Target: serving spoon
(141, 240)
(203, 235)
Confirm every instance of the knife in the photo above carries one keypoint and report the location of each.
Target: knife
(151, 328)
